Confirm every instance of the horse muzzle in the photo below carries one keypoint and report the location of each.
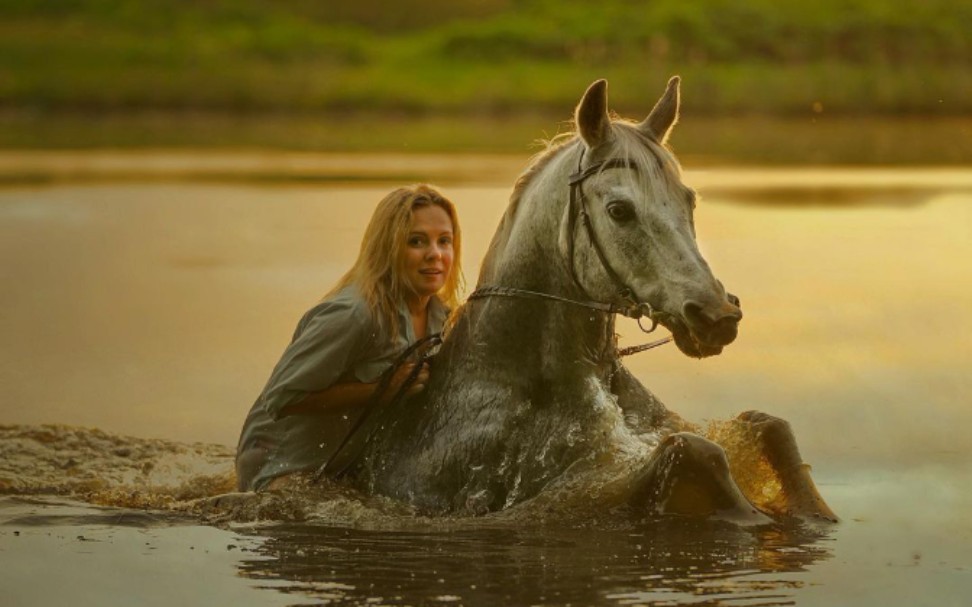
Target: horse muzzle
(702, 329)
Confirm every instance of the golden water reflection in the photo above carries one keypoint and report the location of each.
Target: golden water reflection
(158, 309)
(678, 562)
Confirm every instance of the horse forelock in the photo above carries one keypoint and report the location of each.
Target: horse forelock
(537, 166)
(652, 158)
(654, 161)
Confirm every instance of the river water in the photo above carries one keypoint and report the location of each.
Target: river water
(142, 317)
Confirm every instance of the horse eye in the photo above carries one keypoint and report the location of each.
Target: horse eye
(620, 211)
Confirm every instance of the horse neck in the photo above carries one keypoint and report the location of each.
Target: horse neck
(525, 254)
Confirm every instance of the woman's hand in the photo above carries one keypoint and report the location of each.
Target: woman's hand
(399, 377)
(354, 394)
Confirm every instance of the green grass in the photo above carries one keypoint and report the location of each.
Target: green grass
(854, 56)
(109, 72)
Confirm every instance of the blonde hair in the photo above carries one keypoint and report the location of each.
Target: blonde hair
(379, 271)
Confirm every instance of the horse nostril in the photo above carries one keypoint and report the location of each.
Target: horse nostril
(735, 313)
(695, 313)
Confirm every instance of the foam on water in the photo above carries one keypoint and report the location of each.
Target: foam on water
(108, 469)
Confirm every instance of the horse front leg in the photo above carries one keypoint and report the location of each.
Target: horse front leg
(688, 475)
(766, 462)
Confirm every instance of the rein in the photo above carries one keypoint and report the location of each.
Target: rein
(635, 311)
(578, 208)
(354, 441)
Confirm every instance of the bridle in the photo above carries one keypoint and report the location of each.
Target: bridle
(578, 210)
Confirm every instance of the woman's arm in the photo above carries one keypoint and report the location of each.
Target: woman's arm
(351, 395)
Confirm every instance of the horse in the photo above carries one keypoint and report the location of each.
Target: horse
(528, 398)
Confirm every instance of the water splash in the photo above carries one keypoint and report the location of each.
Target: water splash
(198, 479)
(748, 465)
(107, 469)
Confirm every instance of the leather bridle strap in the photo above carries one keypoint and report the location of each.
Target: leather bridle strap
(578, 208)
(609, 308)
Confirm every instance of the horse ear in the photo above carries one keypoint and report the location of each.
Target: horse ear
(591, 115)
(664, 115)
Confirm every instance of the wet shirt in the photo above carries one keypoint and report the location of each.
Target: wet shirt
(336, 341)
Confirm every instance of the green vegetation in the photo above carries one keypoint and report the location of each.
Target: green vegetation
(483, 60)
(485, 55)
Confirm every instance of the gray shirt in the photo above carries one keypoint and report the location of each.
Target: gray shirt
(337, 340)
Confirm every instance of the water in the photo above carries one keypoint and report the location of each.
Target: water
(156, 310)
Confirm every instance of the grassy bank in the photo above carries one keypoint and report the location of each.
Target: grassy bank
(488, 57)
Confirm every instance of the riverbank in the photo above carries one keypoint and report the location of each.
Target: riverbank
(778, 186)
(819, 139)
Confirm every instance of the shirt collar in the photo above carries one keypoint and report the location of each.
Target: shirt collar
(437, 314)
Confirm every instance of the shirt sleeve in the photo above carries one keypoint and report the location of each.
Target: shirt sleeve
(328, 340)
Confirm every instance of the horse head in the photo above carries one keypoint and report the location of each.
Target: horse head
(629, 228)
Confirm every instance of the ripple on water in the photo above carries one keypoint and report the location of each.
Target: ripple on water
(328, 543)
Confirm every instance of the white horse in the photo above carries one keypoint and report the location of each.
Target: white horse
(528, 398)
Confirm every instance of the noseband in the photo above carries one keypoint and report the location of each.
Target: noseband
(578, 209)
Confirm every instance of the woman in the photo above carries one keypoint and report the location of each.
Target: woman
(400, 289)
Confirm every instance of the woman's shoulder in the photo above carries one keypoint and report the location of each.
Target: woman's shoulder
(346, 306)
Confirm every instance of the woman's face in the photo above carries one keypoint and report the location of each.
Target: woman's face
(428, 250)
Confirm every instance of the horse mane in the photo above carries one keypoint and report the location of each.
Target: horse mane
(537, 162)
